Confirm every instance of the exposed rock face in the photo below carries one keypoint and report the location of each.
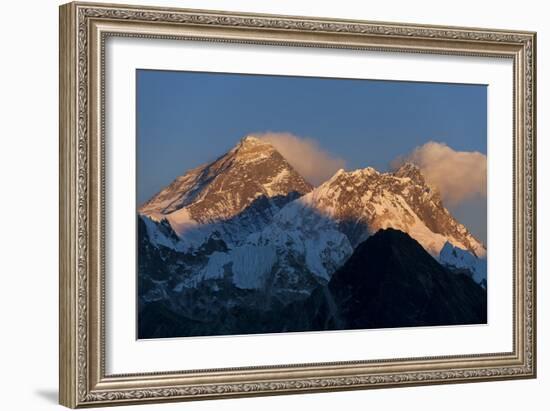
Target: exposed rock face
(365, 201)
(243, 189)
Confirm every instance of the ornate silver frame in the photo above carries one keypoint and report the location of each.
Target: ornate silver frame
(83, 30)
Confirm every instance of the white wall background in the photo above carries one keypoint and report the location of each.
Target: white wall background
(28, 205)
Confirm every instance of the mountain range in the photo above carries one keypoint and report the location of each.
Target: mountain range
(245, 238)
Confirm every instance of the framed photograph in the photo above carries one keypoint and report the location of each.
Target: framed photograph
(260, 204)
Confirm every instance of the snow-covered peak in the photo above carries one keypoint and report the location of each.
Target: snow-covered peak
(364, 172)
(343, 180)
(250, 139)
(410, 170)
(364, 201)
(252, 178)
(252, 149)
(338, 173)
(253, 143)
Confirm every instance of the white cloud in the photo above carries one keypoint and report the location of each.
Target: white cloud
(459, 175)
(305, 155)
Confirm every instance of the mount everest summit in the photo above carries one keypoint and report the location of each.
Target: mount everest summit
(248, 238)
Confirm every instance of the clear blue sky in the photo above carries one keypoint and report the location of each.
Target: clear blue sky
(185, 119)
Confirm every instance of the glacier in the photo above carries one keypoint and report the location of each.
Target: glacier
(457, 258)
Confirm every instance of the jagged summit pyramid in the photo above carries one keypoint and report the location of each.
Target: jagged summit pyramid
(252, 178)
(364, 201)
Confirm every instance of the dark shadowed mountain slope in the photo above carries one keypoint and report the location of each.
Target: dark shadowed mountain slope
(391, 281)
